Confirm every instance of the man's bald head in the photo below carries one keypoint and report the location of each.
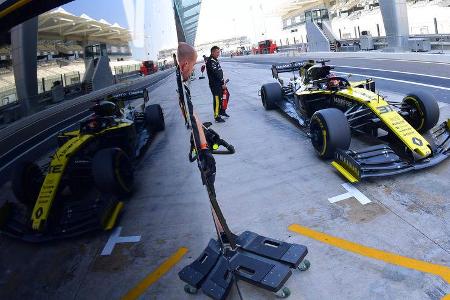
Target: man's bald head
(186, 53)
(187, 57)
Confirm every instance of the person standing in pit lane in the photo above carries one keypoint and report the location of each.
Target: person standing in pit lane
(216, 84)
(187, 58)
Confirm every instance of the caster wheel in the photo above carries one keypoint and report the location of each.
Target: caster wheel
(304, 265)
(283, 293)
(190, 289)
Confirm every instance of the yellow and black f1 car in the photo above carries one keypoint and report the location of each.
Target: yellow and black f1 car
(331, 108)
(91, 172)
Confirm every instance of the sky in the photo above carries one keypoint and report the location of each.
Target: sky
(110, 10)
(154, 27)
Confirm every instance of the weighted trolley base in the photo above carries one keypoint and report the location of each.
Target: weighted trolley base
(258, 260)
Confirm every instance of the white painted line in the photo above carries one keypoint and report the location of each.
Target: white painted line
(392, 71)
(115, 238)
(398, 59)
(397, 80)
(442, 104)
(351, 192)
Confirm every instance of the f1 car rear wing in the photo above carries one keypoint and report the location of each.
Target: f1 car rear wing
(296, 66)
(129, 95)
(289, 67)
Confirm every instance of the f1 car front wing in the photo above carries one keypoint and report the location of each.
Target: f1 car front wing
(381, 160)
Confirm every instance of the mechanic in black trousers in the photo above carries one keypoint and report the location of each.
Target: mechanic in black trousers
(216, 83)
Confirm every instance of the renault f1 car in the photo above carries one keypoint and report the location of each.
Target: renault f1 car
(89, 175)
(330, 108)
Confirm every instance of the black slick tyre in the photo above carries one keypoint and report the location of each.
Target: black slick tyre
(423, 110)
(154, 117)
(329, 131)
(27, 180)
(113, 172)
(271, 93)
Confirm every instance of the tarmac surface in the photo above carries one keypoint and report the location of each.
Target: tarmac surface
(273, 181)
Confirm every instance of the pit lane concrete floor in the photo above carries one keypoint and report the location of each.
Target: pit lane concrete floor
(274, 180)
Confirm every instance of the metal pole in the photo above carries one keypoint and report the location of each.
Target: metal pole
(435, 26)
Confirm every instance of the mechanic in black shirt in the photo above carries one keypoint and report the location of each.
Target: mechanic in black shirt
(216, 83)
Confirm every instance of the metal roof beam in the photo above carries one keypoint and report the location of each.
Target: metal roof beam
(104, 34)
(56, 26)
(81, 25)
(44, 19)
(80, 31)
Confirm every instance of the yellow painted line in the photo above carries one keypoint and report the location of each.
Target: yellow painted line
(151, 278)
(395, 259)
(13, 7)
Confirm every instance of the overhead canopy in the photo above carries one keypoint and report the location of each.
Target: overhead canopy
(187, 13)
(62, 25)
(292, 7)
(14, 12)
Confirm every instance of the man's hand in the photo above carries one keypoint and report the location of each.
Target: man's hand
(224, 85)
(208, 164)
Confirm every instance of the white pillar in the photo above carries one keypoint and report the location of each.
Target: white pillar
(395, 18)
(23, 50)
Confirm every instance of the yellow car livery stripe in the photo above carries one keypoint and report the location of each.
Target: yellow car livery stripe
(393, 120)
(344, 172)
(55, 172)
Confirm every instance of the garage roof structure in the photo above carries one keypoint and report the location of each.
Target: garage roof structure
(62, 25)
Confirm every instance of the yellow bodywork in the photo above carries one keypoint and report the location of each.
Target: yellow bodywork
(344, 172)
(392, 119)
(56, 170)
(111, 221)
(412, 139)
(50, 186)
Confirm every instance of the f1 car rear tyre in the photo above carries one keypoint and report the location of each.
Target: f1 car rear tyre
(154, 117)
(271, 93)
(27, 180)
(112, 171)
(423, 110)
(330, 131)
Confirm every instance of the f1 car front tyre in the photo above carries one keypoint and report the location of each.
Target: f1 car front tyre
(113, 172)
(27, 180)
(154, 117)
(329, 131)
(423, 110)
(271, 93)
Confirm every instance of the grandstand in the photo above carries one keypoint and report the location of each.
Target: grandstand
(350, 17)
(62, 37)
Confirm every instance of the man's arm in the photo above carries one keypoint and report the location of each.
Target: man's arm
(201, 133)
